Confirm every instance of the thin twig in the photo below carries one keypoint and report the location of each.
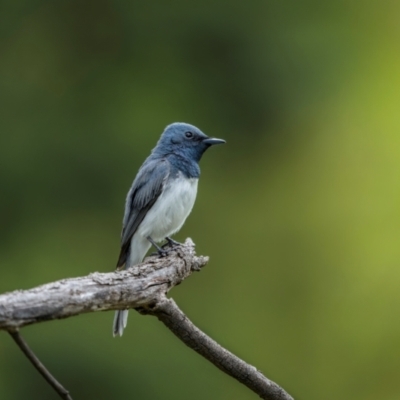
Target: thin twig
(60, 389)
(169, 313)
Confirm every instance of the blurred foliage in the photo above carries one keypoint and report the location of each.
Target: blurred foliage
(299, 211)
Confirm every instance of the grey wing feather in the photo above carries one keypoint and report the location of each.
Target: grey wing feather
(145, 190)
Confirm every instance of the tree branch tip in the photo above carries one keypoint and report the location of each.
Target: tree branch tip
(200, 262)
(189, 242)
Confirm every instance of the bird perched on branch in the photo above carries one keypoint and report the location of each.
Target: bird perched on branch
(161, 197)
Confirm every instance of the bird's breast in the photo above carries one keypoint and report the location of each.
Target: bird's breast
(171, 209)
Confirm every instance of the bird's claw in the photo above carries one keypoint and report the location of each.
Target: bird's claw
(170, 243)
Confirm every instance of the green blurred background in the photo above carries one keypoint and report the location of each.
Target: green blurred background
(299, 212)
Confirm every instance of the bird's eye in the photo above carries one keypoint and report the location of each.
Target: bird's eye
(189, 135)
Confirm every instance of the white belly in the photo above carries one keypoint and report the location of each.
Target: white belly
(171, 209)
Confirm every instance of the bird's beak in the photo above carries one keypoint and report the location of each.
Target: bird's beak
(212, 141)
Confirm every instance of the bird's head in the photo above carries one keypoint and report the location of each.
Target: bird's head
(185, 140)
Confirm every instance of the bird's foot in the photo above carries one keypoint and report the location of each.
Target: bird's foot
(170, 243)
(160, 251)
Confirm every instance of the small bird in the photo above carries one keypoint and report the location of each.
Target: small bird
(161, 197)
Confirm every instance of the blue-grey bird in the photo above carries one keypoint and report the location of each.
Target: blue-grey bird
(161, 197)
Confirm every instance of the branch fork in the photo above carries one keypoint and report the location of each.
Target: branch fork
(143, 287)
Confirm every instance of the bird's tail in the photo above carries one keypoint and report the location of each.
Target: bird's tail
(138, 248)
(120, 322)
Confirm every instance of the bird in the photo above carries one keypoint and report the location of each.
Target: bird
(161, 197)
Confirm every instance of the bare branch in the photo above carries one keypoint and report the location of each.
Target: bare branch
(139, 286)
(143, 287)
(169, 313)
(60, 389)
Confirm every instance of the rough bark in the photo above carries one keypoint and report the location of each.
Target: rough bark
(140, 286)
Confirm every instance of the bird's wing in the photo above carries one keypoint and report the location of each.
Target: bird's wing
(145, 190)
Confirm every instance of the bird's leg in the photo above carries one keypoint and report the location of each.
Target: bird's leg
(171, 243)
(161, 252)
